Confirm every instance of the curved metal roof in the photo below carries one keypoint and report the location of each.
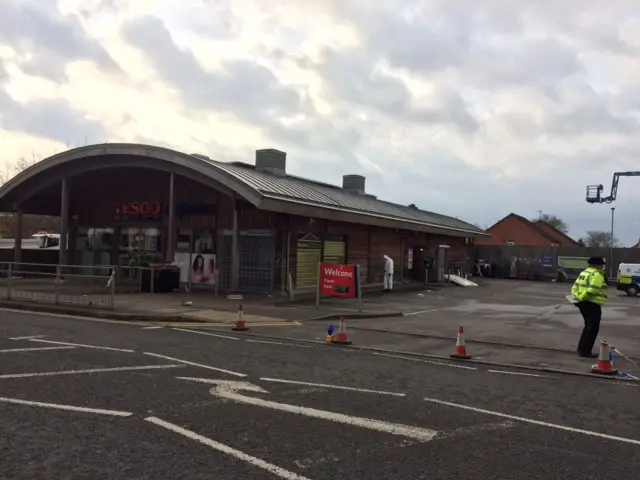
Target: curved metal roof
(299, 190)
(194, 164)
(256, 186)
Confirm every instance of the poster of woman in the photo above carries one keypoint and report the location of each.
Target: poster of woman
(203, 269)
(198, 267)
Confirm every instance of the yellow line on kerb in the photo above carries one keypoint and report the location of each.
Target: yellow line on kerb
(225, 325)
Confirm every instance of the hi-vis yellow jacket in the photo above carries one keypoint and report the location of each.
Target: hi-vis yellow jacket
(591, 286)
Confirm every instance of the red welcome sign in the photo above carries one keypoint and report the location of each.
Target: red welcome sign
(338, 280)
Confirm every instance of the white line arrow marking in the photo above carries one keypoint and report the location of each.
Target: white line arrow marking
(228, 389)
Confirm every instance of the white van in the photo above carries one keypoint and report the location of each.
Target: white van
(629, 278)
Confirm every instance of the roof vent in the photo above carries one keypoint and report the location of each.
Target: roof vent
(353, 183)
(413, 205)
(270, 160)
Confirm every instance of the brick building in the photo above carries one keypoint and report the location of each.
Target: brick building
(253, 224)
(515, 230)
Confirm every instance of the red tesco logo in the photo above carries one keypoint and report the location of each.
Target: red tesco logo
(139, 208)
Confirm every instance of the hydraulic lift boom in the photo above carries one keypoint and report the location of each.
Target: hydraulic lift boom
(594, 192)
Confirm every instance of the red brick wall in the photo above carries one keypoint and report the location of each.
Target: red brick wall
(512, 229)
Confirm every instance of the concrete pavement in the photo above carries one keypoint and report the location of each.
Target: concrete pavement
(121, 401)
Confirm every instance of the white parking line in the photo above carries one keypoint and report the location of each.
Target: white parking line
(82, 345)
(27, 338)
(187, 362)
(535, 422)
(220, 447)
(92, 370)
(405, 314)
(336, 387)
(518, 373)
(35, 349)
(424, 361)
(17, 401)
(228, 337)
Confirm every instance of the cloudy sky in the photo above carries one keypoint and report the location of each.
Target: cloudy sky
(472, 109)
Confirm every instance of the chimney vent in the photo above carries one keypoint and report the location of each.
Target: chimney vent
(354, 183)
(270, 160)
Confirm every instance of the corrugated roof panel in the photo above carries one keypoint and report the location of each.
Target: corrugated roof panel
(293, 188)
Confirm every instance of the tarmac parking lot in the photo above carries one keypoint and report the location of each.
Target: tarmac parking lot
(95, 399)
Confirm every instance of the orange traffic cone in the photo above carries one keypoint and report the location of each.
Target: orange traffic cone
(461, 347)
(341, 338)
(240, 325)
(604, 365)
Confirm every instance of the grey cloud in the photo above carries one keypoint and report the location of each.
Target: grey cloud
(582, 110)
(536, 63)
(451, 109)
(484, 38)
(50, 39)
(244, 88)
(350, 77)
(53, 119)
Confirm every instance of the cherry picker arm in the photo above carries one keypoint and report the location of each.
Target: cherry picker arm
(594, 192)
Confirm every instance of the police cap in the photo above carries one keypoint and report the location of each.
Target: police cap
(596, 261)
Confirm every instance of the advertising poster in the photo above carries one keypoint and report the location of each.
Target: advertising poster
(198, 267)
(338, 280)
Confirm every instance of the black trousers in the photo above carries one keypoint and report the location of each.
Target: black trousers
(592, 314)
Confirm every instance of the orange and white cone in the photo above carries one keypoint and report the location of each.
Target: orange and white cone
(604, 365)
(461, 347)
(341, 338)
(240, 325)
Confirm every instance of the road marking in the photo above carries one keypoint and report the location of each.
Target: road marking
(82, 345)
(337, 387)
(253, 461)
(518, 373)
(281, 343)
(421, 311)
(534, 422)
(425, 361)
(187, 362)
(151, 328)
(35, 349)
(74, 317)
(92, 370)
(274, 324)
(205, 333)
(66, 407)
(27, 338)
(228, 390)
(475, 429)
(625, 383)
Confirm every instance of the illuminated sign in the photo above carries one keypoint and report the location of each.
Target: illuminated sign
(146, 208)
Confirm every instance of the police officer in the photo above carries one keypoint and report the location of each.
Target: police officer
(590, 289)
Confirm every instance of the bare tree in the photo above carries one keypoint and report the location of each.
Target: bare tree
(600, 239)
(12, 169)
(31, 223)
(554, 221)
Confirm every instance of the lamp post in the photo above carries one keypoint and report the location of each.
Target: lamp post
(613, 209)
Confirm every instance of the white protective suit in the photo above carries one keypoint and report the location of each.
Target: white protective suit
(388, 273)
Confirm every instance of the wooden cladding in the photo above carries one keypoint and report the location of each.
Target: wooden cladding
(365, 246)
(385, 242)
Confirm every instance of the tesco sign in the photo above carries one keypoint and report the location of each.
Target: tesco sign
(151, 208)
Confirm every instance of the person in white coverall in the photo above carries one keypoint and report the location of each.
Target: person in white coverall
(388, 274)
